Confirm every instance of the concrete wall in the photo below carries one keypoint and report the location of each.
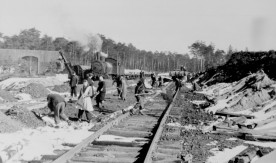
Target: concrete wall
(13, 57)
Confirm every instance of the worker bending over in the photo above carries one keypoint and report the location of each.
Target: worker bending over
(57, 104)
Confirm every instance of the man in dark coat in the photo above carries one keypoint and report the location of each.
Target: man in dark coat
(177, 83)
(57, 104)
(139, 90)
(153, 80)
(101, 91)
(73, 84)
(160, 79)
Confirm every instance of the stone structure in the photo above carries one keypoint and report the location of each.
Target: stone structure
(36, 61)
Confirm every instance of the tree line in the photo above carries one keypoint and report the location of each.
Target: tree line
(201, 56)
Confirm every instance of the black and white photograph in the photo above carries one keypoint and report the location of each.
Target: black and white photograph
(137, 81)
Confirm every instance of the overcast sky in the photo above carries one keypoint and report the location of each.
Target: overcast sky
(163, 25)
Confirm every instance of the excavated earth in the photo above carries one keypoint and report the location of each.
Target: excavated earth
(61, 88)
(6, 96)
(35, 90)
(8, 125)
(194, 141)
(24, 116)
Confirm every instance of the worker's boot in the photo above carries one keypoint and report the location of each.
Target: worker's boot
(69, 122)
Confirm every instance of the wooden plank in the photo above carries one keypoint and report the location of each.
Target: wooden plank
(168, 161)
(103, 159)
(234, 114)
(168, 151)
(245, 156)
(129, 133)
(115, 154)
(262, 123)
(232, 160)
(246, 131)
(269, 158)
(246, 134)
(112, 148)
(148, 158)
(123, 144)
(76, 149)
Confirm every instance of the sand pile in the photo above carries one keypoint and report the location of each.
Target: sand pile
(18, 83)
(24, 116)
(61, 88)
(251, 92)
(35, 90)
(8, 125)
(6, 96)
(247, 100)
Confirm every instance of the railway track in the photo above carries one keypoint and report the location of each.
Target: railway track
(132, 138)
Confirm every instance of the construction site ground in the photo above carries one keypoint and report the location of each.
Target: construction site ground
(223, 122)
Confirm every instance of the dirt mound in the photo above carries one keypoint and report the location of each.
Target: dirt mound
(35, 90)
(61, 88)
(26, 117)
(6, 96)
(240, 65)
(8, 125)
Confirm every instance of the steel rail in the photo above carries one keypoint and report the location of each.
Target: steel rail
(70, 154)
(157, 135)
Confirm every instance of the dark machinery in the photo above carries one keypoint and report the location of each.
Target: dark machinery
(102, 66)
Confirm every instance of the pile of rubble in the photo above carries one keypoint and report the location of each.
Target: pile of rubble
(24, 116)
(6, 96)
(8, 125)
(61, 88)
(35, 90)
(198, 144)
(251, 91)
(190, 114)
(245, 109)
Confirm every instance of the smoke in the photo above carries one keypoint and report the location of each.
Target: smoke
(104, 54)
(90, 42)
(94, 43)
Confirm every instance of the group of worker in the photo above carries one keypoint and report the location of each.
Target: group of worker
(154, 82)
(57, 103)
